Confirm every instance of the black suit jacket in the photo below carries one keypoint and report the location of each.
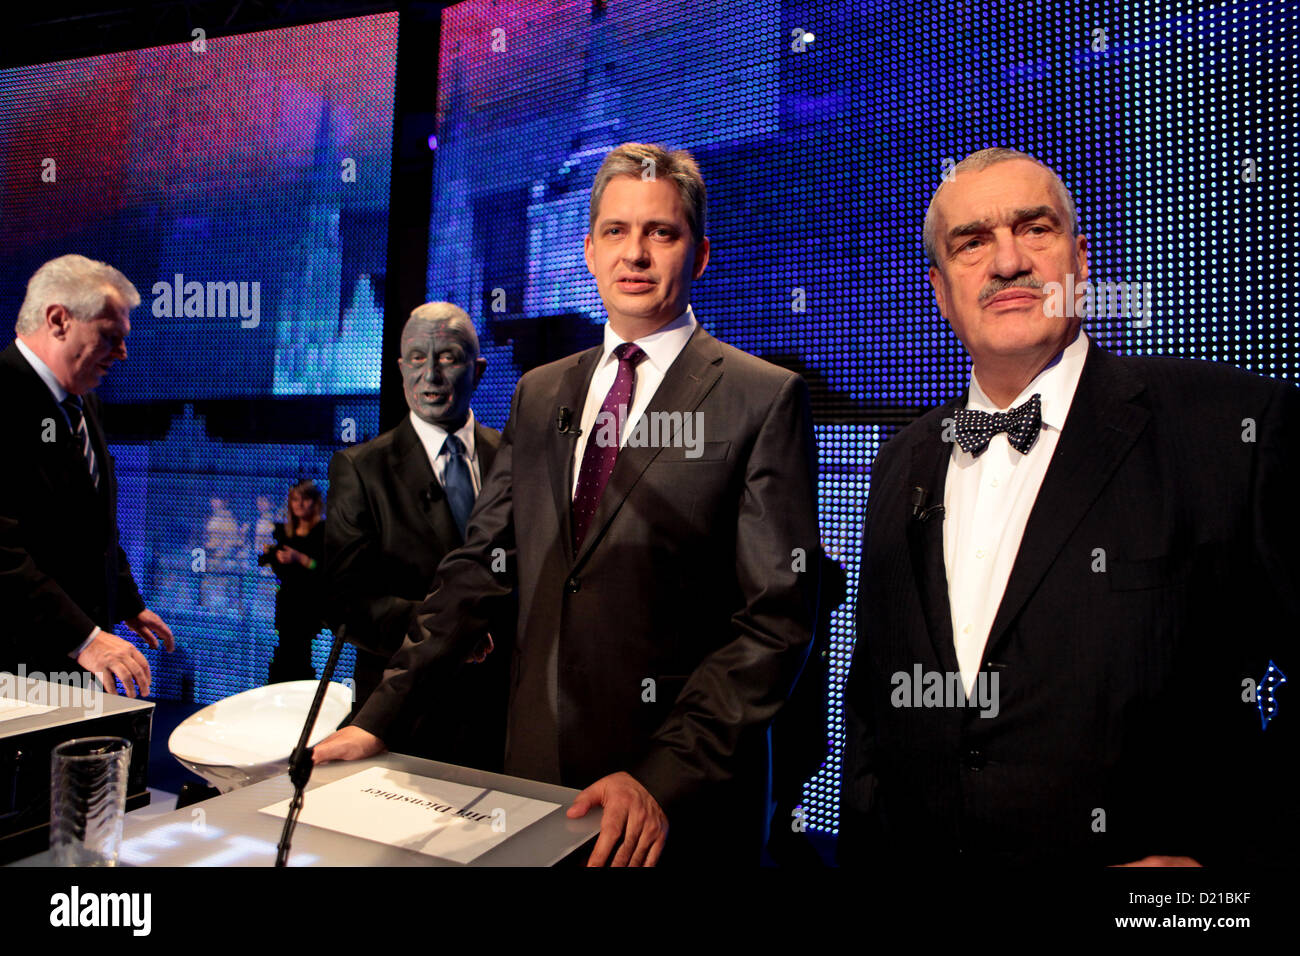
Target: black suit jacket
(1157, 572)
(666, 644)
(389, 526)
(64, 553)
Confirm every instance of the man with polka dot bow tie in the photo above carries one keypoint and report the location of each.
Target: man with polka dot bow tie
(1068, 578)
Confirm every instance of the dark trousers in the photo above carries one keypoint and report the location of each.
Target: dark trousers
(292, 657)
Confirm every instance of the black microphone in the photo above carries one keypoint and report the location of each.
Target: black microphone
(919, 511)
(564, 422)
(300, 763)
(429, 495)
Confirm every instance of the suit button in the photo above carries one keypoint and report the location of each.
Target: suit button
(572, 585)
(974, 760)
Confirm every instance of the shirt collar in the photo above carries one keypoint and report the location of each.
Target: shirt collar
(43, 370)
(433, 436)
(661, 346)
(1055, 385)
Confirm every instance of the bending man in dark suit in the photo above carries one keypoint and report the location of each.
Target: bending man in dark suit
(58, 486)
(1072, 581)
(666, 586)
(398, 505)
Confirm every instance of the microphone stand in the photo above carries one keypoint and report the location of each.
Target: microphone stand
(300, 765)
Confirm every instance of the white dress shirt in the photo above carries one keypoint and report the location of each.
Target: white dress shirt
(987, 501)
(661, 348)
(59, 393)
(434, 439)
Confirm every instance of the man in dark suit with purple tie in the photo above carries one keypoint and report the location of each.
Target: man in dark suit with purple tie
(651, 521)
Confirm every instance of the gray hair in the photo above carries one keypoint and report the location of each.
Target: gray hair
(78, 284)
(678, 166)
(446, 312)
(983, 159)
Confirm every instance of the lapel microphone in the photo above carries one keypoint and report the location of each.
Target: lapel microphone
(430, 494)
(564, 422)
(919, 511)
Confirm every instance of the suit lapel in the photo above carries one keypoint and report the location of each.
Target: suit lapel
(68, 451)
(571, 394)
(928, 471)
(1102, 425)
(415, 474)
(684, 386)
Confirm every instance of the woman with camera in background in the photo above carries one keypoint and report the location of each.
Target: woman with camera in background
(295, 554)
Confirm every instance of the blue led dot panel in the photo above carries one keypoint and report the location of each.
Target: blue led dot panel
(243, 189)
(822, 130)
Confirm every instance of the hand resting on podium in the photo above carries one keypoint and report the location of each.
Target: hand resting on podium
(353, 743)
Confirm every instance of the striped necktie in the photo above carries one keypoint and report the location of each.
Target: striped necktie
(72, 405)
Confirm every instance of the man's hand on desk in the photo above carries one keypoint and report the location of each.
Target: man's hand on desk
(350, 743)
(111, 659)
(353, 743)
(630, 814)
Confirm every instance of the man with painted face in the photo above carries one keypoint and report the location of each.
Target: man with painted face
(1073, 579)
(397, 504)
(665, 591)
(58, 490)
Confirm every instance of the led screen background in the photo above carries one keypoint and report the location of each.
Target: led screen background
(821, 130)
(1173, 127)
(264, 160)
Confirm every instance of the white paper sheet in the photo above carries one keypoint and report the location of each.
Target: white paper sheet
(439, 818)
(11, 709)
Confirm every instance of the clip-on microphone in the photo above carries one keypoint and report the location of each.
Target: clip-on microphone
(564, 422)
(919, 511)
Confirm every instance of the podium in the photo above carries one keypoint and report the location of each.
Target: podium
(27, 738)
(229, 830)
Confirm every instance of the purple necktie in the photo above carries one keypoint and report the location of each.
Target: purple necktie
(598, 457)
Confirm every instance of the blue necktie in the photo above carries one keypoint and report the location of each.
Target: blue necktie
(458, 483)
(72, 405)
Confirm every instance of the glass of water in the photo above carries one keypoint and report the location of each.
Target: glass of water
(88, 800)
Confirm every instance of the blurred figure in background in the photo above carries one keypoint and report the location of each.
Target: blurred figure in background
(264, 528)
(294, 555)
(225, 547)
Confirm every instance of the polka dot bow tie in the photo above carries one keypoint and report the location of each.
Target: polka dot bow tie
(1022, 425)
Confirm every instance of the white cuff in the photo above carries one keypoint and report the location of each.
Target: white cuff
(74, 654)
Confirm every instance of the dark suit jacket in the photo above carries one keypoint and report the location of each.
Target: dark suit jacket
(77, 575)
(1121, 731)
(389, 526)
(667, 643)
